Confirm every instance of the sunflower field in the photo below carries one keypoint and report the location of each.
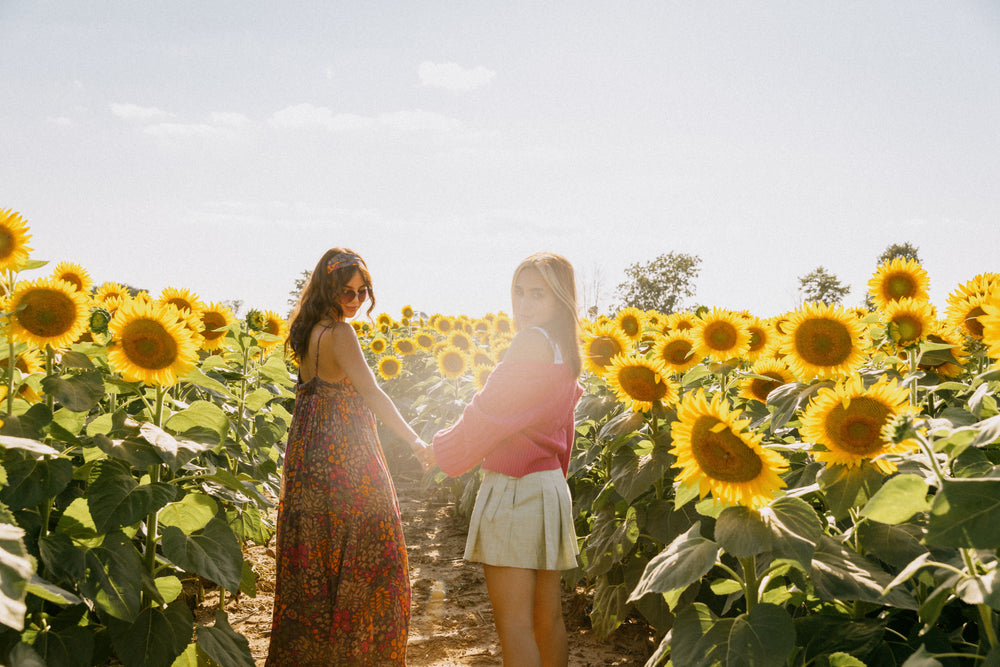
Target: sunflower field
(809, 489)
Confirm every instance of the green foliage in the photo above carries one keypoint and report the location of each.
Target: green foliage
(661, 284)
(819, 285)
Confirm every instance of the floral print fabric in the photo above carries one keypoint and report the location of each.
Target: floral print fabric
(342, 590)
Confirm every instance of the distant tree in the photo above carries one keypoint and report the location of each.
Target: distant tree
(234, 305)
(822, 286)
(591, 284)
(300, 284)
(661, 284)
(906, 250)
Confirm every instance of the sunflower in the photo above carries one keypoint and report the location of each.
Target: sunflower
(384, 320)
(950, 362)
(47, 312)
(215, 318)
(181, 298)
(822, 341)
(480, 358)
(378, 345)
(676, 351)
(461, 340)
(631, 321)
(757, 388)
(451, 361)
(108, 291)
(715, 451)
(444, 325)
(28, 363)
(908, 321)
(75, 275)
(503, 325)
(13, 241)
(964, 314)
(150, 344)
(681, 321)
(389, 367)
(763, 339)
(404, 346)
(407, 312)
(847, 421)
(983, 284)
(424, 341)
(897, 279)
(639, 382)
(602, 343)
(481, 373)
(721, 335)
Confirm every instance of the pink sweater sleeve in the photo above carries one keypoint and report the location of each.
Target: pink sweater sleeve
(518, 396)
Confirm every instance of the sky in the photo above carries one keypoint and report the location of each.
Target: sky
(222, 146)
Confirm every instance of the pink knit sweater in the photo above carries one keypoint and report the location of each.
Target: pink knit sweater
(520, 422)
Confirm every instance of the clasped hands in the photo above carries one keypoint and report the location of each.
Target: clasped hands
(424, 453)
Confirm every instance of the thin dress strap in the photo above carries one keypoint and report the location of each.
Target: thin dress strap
(316, 360)
(556, 353)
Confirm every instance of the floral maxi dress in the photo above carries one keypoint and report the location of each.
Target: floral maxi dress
(342, 590)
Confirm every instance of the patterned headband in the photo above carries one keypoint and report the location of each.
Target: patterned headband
(341, 260)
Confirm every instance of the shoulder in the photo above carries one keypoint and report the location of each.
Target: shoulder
(342, 333)
(529, 345)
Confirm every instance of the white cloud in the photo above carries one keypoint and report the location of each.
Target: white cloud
(304, 116)
(134, 112)
(229, 119)
(452, 76)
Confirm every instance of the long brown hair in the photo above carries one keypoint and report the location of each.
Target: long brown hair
(558, 274)
(319, 297)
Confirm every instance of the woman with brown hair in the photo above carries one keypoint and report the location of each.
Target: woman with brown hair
(520, 426)
(342, 591)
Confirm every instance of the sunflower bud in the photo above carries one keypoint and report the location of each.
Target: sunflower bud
(100, 318)
(256, 320)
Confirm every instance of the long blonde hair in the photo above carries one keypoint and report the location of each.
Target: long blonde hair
(558, 274)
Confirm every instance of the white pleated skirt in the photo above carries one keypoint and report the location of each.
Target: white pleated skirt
(524, 522)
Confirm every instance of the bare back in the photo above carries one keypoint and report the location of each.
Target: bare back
(320, 359)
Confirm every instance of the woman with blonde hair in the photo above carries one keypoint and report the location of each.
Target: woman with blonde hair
(520, 426)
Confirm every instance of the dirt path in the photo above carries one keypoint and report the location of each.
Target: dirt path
(451, 619)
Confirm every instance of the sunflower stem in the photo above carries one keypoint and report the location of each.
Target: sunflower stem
(911, 358)
(152, 520)
(11, 362)
(50, 400)
(750, 588)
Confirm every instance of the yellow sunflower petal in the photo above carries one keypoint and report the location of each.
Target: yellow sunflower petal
(150, 345)
(48, 312)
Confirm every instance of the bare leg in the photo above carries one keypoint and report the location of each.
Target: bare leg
(550, 629)
(512, 594)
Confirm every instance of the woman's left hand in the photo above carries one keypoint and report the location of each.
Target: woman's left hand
(424, 453)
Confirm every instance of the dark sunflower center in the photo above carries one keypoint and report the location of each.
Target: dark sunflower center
(630, 326)
(855, 429)
(899, 286)
(72, 279)
(453, 363)
(47, 313)
(823, 342)
(602, 348)
(757, 339)
(720, 336)
(972, 323)
(390, 367)
(148, 344)
(761, 388)
(7, 245)
(641, 383)
(908, 328)
(213, 321)
(677, 352)
(722, 455)
(405, 347)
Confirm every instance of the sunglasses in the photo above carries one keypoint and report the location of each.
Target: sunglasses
(348, 295)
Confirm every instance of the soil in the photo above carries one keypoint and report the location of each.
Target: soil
(451, 621)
